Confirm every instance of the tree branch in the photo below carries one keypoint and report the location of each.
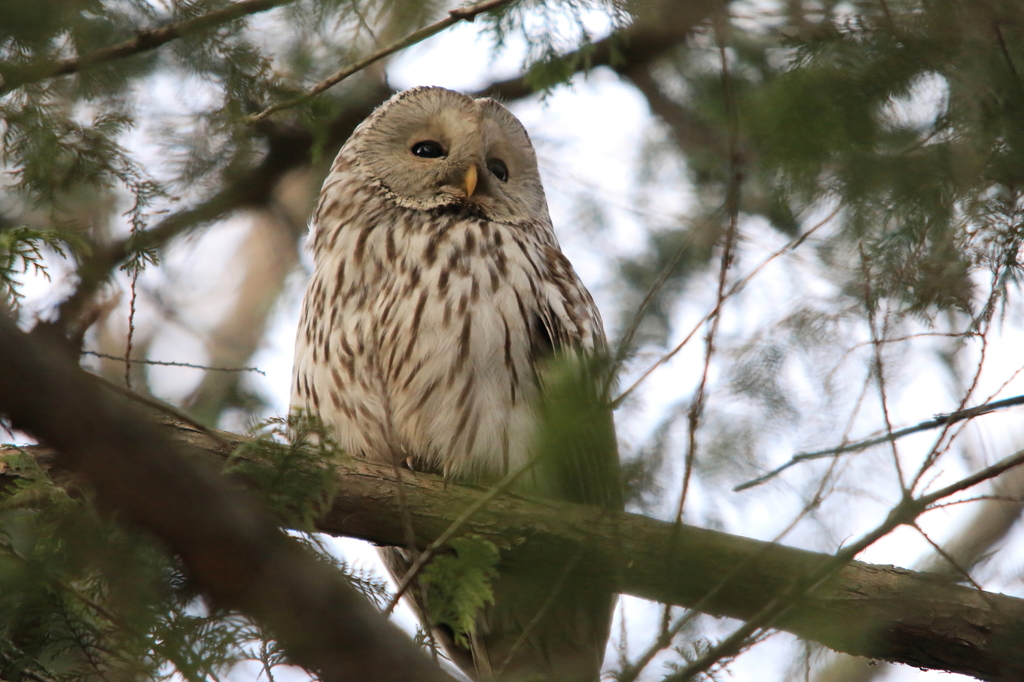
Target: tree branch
(933, 423)
(468, 13)
(651, 37)
(144, 41)
(231, 547)
(880, 612)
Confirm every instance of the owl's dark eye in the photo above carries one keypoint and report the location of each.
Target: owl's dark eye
(498, 169)
(428, 149)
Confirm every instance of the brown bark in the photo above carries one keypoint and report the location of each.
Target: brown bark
(880, 612)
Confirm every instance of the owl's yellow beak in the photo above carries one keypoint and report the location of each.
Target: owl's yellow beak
(469, 181)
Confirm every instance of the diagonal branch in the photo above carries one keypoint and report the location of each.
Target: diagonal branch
(144, 41)
(232, 548)
(934, 423)
(171, 363)
(468, 13)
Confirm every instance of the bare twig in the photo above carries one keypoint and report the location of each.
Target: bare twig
(132, 303)
(960, 571)
(468, 13)
(143, 41)
(168, 363)
(974, 479)
(732, 208)
(733, 290)
(935, 422)
(876, 359)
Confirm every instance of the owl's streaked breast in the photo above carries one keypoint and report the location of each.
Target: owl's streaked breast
(419, 329)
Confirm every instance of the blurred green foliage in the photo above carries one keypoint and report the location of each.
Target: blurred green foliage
(904, 114)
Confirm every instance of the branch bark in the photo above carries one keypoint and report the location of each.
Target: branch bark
(144, 41)
(233, 550)
(879, 612)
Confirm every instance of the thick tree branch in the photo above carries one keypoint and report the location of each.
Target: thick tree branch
(875, 611)
(144, 41)
(232, 548)
(880, 612)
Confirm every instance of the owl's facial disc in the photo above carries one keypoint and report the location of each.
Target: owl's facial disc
(434, 147)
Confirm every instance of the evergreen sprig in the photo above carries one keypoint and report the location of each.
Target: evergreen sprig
(289, 464)
(459, 585)
(21, 251)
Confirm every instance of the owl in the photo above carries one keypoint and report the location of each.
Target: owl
(439, 312)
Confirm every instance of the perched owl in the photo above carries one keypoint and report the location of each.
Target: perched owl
(438, 303)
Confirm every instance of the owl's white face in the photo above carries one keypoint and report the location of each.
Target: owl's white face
(433, 148)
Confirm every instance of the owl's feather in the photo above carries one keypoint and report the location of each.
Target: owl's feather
(427, 331)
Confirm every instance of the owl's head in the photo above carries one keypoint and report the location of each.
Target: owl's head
(429, 147)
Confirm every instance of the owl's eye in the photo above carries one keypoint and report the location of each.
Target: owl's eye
(428, 149)
(498, 169)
